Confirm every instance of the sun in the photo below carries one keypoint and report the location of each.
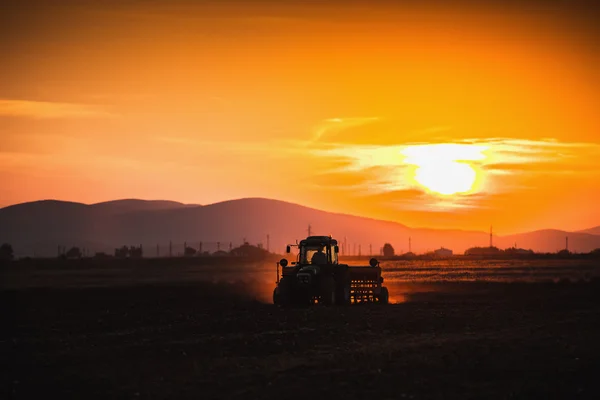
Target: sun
(444, 168)
(446, 178)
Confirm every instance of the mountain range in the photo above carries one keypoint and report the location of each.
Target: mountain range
(39, 228)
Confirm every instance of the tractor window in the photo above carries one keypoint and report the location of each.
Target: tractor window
(308, 252)
(334, 255)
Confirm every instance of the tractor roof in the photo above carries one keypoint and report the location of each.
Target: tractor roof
(321, 240)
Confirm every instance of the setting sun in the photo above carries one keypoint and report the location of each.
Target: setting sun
(444, 168)
(447, 177)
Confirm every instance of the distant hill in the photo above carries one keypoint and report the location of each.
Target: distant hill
(592, 231)
(129, 205)
(38, 228)
(551, 240)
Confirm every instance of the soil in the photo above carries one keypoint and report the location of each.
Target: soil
(221, 339)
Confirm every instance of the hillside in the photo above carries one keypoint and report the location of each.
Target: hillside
(38, 228)
(592, 231)
(551, 240)
(130, 205)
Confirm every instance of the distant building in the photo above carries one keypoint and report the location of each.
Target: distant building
(443, 252)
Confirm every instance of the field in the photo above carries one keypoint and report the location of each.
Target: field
(510, 329)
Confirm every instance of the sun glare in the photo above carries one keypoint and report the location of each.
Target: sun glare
(445, 168)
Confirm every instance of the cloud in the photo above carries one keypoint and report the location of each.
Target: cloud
(506, 154)
(50, 110)
(335, 125)
(511, 156)
(493, 159)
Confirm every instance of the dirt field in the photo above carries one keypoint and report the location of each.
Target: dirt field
(209, 332)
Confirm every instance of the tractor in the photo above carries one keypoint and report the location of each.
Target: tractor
(317, 277)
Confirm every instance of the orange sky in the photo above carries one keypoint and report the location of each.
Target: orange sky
(317, 103)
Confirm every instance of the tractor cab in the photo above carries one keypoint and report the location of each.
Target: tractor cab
(319, 250)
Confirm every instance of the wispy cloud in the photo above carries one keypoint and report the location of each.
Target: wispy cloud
(505, 154)
(511, 156)
(335, 125)
(496, 157)
(50, 110)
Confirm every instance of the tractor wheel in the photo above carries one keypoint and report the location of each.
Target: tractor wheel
(384, 296)
(327, 291)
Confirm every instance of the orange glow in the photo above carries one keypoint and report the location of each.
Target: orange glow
(432, 116)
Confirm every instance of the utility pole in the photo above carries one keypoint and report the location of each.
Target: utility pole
(567, 243)
(354, 250)
(200, 247)
(345, 246)
(491, 240)
(268, 243)
(409, 244)
(309, 230)
(218, 246)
